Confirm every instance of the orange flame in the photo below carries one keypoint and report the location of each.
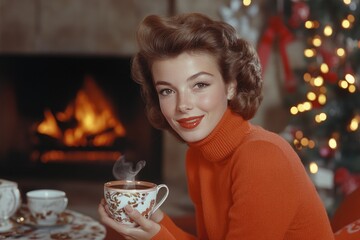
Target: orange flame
(96, 124)
(49, 125)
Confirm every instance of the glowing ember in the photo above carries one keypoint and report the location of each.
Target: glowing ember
(75, 156)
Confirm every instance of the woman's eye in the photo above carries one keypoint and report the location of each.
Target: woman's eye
(165, 92)
(201, 85)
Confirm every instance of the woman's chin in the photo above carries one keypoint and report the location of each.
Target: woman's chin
(192, 137)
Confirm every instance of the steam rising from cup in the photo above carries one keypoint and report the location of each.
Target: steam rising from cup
(125, 170)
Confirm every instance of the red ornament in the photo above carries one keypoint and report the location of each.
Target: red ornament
(349, 69)
(300, 12)
(316, 105)
(330, 77)
(346, 181)
(326, 152)
(331, 59)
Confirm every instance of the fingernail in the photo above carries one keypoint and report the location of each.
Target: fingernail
(128, 208)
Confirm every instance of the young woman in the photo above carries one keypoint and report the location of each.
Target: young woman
(203, 83)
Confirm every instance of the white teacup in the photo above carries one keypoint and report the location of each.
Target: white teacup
(10, 200)
(46, 205)
(139, 194)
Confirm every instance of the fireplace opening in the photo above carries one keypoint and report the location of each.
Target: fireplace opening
(73, 116)
(87, 122)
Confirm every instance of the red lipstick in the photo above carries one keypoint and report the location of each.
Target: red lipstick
(191, 122)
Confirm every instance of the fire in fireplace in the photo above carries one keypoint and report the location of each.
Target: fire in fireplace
(75, 115)
(87, 122)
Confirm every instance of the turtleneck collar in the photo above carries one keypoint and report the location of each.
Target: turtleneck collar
(225, 137)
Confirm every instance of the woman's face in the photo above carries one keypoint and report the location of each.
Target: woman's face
(192, 94)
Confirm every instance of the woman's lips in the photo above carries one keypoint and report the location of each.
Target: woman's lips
(191, 122)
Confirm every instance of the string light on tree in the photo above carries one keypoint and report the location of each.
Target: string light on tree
(332, 143)
(311, 24)
(354, 123)
(246, 2)
(328, 31)
(300, 141)
(340, 52)
(324, 68)
(317, 41)
(321, 117)
(313, 167)
(310, 52)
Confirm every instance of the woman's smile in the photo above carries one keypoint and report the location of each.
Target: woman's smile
(191, 122)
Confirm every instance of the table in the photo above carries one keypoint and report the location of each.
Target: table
(72, 225)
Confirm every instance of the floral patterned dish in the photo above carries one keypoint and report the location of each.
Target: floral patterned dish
(74, 226)
(23, 216)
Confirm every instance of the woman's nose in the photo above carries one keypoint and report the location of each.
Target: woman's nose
(184, 102)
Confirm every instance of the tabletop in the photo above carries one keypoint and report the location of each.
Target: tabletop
(71, 225)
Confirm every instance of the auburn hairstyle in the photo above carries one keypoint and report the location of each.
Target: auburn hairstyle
(166, 37)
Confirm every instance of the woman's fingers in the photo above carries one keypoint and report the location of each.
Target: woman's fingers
(136, 217)
(146, 228)
(122, 229)
(145, 224)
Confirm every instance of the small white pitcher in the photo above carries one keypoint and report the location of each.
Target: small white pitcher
(10, 201)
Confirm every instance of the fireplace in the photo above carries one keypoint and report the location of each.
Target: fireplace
(73, 116)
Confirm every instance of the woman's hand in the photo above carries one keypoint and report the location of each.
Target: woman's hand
(145, 231)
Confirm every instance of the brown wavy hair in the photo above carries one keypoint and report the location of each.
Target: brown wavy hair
(166, 37)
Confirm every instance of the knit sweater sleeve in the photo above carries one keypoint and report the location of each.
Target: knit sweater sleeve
(170, 231)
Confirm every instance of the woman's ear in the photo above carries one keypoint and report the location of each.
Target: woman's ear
(231, 90)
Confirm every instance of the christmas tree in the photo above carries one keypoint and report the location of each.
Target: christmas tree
(323, 97)
(325, 102)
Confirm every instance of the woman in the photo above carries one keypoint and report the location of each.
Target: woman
(203, 83)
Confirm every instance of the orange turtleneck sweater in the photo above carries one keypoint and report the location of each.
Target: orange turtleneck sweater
(248, 183)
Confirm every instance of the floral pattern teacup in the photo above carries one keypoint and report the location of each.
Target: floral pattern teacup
(139, 194)
(46, 205)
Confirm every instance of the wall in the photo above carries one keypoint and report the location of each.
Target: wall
(73, 26)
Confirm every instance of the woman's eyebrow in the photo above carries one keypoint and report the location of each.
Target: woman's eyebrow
(191, 78)
(196, 75)
(162, 83)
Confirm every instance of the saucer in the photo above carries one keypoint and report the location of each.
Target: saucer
(23, 216)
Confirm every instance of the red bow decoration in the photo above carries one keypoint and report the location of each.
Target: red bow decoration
(347, 181)
(277, 29)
